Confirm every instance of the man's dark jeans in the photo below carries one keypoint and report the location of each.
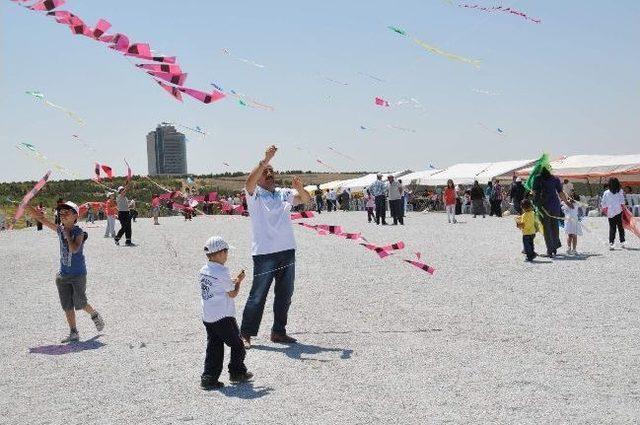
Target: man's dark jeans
(381, 209)
(551, 229)
(281, 267)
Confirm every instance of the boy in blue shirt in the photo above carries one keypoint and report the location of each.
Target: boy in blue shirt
(71, 280)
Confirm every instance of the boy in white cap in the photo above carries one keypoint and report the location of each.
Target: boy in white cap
(219, 316)
(71, 280)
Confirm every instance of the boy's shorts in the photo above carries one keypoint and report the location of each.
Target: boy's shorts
(72, 291)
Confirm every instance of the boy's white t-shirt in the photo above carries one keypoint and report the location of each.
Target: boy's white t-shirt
(270, 214)
(215, 282)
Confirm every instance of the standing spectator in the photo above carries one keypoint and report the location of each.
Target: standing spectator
(487, 194)
(477, 200)
(123, 216)
(394, 189)
(155, 208)
(273, 248)
(132, 210)
(90, 218)
(40, 210)
(112, 211)
(567, 188)
(547, 191)
(450, 201)
(516, 194)
(332, 198)
(612, 201)
(56, 216)
(378, 189)
(495, 199)
(369, 205)
(318, 198)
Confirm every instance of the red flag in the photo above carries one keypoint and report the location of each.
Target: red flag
(96, 170)
(129, 174)
(107, 170)
(629, 222)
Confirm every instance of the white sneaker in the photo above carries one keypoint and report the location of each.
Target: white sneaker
(569, 251)
(97, 319)
(611, 248)
(622, 245)
(73, 337)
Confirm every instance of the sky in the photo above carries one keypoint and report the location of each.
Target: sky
(569, 85)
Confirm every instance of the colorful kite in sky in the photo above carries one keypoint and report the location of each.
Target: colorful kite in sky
(250, 62)
(29, 195)
(41, 97)
(501, 9)
(381, 102)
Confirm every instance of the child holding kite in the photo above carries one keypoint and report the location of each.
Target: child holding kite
(71, 280)
(219, 316)
(528, 225)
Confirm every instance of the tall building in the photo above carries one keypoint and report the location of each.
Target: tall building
(166, 151)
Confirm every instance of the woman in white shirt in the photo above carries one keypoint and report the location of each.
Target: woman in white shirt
(612, 201)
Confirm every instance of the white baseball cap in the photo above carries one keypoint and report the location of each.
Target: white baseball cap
(120, 188)
(215, 244)
(69, 205)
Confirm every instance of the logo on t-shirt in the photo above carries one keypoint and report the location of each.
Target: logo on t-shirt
(205, 285)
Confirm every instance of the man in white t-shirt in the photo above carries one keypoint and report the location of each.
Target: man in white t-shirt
(273, 248)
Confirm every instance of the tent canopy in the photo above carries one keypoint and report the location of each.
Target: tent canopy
(466, 173)
(595, 167)
(415, 178)
(358, 184)
(334, 184)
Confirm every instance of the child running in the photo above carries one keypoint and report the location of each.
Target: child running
(527, 223)
(71, 280)
(219, 317)
(572, 226)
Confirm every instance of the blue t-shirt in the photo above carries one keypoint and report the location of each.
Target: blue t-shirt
(71, 264)
(548, 190)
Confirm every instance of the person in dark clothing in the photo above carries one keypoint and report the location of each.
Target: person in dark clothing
(516, 194)
(547, 191)
(318, 197)
(477, 200)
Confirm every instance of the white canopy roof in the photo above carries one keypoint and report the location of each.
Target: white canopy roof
(595, 167)
(358, 184)
(466, 173)
(334, 184)
(416, 177)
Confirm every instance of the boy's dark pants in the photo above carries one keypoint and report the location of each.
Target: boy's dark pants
(527, 241)
(370, 214)
(224, 331)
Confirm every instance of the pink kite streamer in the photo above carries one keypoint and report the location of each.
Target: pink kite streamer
(422, 266)
(107, 170)
(46, 5)
(382, 253)
(96, 170)
(138, 50)
(202, 96)
(129, 173)
(160, 67)
(334, 230)
(501, 9)
(394, 246)
(381, 102)
(173, 91)
(33, 192)
(177, 79)
(303, 214)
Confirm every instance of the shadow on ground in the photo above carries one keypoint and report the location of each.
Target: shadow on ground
(73, 347)
(296, 351)
(245, 391)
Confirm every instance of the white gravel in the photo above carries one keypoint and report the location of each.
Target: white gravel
(487, 339)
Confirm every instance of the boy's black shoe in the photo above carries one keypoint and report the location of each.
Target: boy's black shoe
(240, 377)
(208, 383)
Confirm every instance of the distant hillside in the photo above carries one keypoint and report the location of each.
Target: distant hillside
(142, 188)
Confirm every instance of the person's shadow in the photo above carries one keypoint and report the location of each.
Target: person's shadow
(73, 347)
(245, 391)
(296, 351)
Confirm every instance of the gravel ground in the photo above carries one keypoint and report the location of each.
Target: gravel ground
(487, 339)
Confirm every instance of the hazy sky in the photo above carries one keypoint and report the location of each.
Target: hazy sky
(569, 85)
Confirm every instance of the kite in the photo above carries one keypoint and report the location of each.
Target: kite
(381, 102)
(250, 62)
(107, 170)
(422, 266)
(501, 9)
(499, 131)
(372, 77)
(40, 96)
(405, 129)
(244, 100)
(226, 164)
(167, 71)
(435, 50)
(84, 143)
(629, 222)
(31, 151)
(487, 92)
(383, 251)
(325, 164)
(340, 153)
(303, 214)
(29, 195)
(129, 173)
(416, 103)
(197, 129)
(341, 83)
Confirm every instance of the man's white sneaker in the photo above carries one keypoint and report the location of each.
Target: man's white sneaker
(73, 337)
(97, 319)
(622, 245)
(611, 248)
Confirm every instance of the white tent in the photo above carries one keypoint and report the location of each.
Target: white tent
(357, 185)
(595, 167)
(466, 173)
(416, 178)
(324, 186)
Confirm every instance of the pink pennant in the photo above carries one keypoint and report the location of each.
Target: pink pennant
(202, 96)
(139, 49)
(381, 102)
(101, 27)
(422, 266)
(309, 226)
(129, 173)
(61, 16)
(173, 91)
(418, 254)
(335, 230)
(351, 236)
(160, 67)
(46, 5)
(303, 214)
(29, 195)
(382, 253)
(164, 59)
(107, 170)
(177, 79)
(394, 246)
